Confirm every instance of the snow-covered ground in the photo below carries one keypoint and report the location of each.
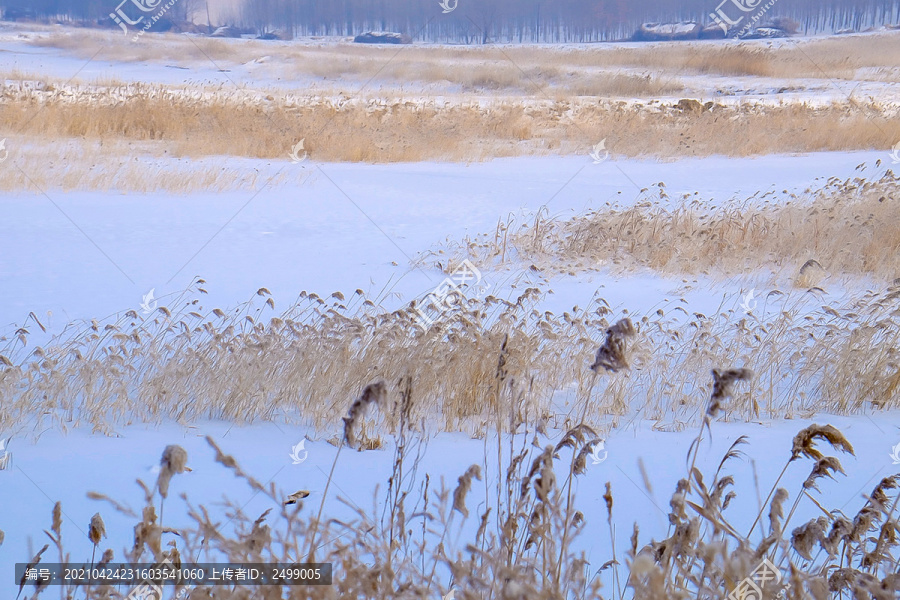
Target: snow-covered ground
(87, 255)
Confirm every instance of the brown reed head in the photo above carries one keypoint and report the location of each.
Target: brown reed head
(173, 462)
(612, 356)
(374, 393)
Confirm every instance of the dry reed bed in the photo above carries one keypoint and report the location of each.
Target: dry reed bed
(848, 228)
(872, 56)
(118, 166)
(424, 541)
(260, 125)
(188, 363)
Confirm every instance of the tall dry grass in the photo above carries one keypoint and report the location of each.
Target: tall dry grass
(119, 166)
(204, 122)
(846, 228)
(527, 524)
(295, 365)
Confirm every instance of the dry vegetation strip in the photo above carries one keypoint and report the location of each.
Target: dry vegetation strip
(529, 519)
(850, 228)
(188, 363)
(238, 123)
(827, 58)
(119, 166)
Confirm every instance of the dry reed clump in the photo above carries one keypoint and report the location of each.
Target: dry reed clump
(723, 380)
(613, 354)
(705, 554)
(195, 123)
(149, 537)
(524, 547)
(398, 555)
(493, 361)
(850, 227)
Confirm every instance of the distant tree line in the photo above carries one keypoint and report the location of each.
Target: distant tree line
(484, 21)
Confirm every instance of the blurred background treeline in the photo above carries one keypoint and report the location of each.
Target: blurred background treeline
(469, 21)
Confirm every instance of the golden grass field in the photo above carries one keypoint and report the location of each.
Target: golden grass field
(262, 126)
(376, 104)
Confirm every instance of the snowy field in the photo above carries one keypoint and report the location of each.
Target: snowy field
(347, 226)
(68, 256)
